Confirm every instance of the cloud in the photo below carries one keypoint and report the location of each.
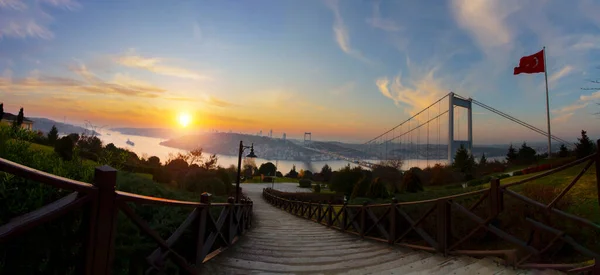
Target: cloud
(343, 89)
(416, 94)
(340, 32)
(197, 31)
(562, 118)
(134, 60)
(560, 74)
(595, 95)
(376, 21)
(83, 82)
(484, 20)
(217, 102)
(23, 19)
(571, 108)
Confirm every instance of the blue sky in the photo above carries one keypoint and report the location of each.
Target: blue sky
(340, 69)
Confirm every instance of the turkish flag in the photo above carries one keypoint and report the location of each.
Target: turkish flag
(531, 64)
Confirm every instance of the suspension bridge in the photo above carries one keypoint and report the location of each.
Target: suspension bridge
(432, 135)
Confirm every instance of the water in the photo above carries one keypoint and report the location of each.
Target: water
(150, 146)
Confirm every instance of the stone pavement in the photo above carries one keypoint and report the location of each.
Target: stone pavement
(280, 243)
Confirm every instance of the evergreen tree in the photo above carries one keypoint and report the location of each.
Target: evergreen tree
(511, 156)
(53, 135)
(526, 154)
(563, 151)
(292, 173)
(584, 146)
(326, 172)
(483, 160)
(20, 117)
(464, 162)
(1, 110)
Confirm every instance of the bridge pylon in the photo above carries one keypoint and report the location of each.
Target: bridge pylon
(453, 144)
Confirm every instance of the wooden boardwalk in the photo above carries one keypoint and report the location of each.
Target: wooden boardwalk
(280, 243)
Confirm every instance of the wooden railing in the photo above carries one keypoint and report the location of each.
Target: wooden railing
(232, 221)
(466, 224)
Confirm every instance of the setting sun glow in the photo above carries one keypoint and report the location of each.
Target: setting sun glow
(184, 119)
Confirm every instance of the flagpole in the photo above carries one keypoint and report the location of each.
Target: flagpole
(547, 105)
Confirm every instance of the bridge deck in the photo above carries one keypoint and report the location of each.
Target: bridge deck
(282, 243)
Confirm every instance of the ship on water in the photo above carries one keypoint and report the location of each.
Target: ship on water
(130, 142)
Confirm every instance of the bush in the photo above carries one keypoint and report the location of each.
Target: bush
(317, 188)
(502, 176)
(64, 148)
(361, 188)
(343, 180)
(377, 189)
(517, 173)
(411, 182)
(304, 183)
(267, 179)
(162, 175)
(199, 182)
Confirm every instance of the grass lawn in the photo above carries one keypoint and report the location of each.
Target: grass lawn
(40, 147)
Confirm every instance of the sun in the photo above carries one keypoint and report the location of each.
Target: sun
(184, 119)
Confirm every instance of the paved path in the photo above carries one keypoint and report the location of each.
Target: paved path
(281, 243)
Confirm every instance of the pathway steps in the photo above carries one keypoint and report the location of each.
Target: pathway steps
(280, 243)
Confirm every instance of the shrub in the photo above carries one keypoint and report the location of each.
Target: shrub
(440, 175)
(343, 180)
(377, 189)
(64, 148)
(267, 179)
(317, 188)
(502, 176)
(304, 183)
(476, 182)
(361, 187)
(411, 182)
(200, 181)
(162, 175)
(517, 173)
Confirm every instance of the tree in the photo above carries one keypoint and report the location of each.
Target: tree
(267, 169)
(20, 117)
(584, 146)
(292, 173)
(464, 162)
(511, 156)
(74, 137)
(326, 172)
(211, 162)
(1, 110)
(153, 161)
(307, 174)
(396, 163)
(343, 180)
(53, 135)
(563, 152)
(482, 160)
(64, 148)
(19, 121)
(526, 154)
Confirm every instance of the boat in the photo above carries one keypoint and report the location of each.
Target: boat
(130, 142)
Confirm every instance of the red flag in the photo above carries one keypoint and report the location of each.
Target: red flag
(531, 64)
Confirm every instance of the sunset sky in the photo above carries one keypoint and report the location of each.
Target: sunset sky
(344, 70)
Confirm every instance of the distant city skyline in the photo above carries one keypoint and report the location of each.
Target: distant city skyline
(343, 70)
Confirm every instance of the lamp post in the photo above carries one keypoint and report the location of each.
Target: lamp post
(251, 155)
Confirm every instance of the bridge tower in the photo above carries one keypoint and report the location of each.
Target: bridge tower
(307, 139)
(453, 144)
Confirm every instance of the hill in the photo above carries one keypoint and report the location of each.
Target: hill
(145, 132)
(44, 125)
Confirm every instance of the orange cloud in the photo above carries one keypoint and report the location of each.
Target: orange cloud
(155, 65)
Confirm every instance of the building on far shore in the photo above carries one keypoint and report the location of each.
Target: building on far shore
(8, 118)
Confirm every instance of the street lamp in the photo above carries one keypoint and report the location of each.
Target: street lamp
(251, 155)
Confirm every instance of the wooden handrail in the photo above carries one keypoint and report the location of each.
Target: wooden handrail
(106, 201)
(46, 178)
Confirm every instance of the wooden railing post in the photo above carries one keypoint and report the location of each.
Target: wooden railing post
(329, 214)
(392, 231)
(363, 219)
(443, 226)
(319, 212)
(100, 246)
(202, 224)
(495, 206)
(344, 216)
(229, 224)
